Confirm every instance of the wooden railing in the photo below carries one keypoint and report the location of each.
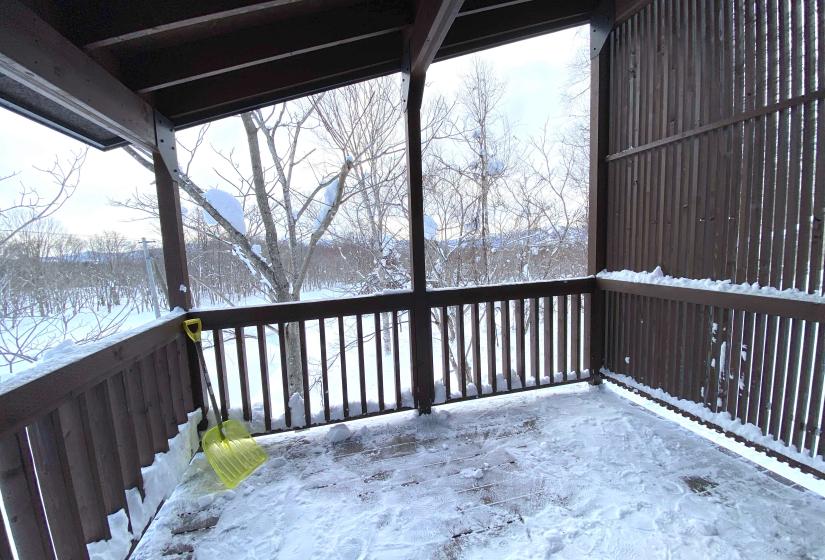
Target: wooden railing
(73, 440)
(759, 358)
(356, 373)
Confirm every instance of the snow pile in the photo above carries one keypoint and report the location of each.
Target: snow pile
(330, 196)
(658, 277)
(296, 410)
(724, 420)
(338, 433)
(227, 206)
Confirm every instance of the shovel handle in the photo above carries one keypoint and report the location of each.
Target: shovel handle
(193, 328)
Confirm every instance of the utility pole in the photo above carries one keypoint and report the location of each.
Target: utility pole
(153, 289)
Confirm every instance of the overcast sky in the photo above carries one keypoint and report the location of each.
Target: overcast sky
(534, 72)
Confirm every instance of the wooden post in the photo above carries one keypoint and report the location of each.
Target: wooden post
(594, 317)
(174, 244)
(420, 325)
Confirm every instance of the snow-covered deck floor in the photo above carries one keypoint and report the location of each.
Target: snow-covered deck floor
(581, 474)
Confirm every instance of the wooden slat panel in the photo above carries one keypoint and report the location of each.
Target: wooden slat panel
(54, 477)
(263, 361)
(21, 498)
(173, 361)
(130, 449)
(243, 373)
(151, 399)
(95, 409)
(83, 473)
(138, 413)
(160, 367)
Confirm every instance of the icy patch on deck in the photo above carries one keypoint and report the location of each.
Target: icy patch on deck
(573, 472)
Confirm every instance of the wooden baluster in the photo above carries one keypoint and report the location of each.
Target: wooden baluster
(561, 302)
(476, 348)
(151, 401)
(243, 374)
(57, 492)
(263, 360)
(396, 360)
(505, 343)
(575, 333)
(445, 351)
(342, 355)
(491, 345)
(549, 370)
(534, 341)
(379, 362)
(520, 348)
(461, 349)
(359, 327)
(302, 337)
(322, 337)
(22, 499)
(183, 372)
(220, 363)
(284, 374)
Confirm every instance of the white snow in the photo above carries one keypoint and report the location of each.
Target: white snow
(658, 277)
(159, 481)
(183, 289)
(578, 473)
(430, 227)
(227, 206)
(627, 359)
(724, 420)
(330, 196)
(338, 433)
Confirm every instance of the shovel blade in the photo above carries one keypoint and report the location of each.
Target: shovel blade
(235, 457)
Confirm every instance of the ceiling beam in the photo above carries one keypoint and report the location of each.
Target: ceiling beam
(150, 71)
(274, 82)
(38, 57)
(130, 24)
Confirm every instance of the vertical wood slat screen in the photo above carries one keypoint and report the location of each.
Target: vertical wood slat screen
(717, 170)
(716, 137)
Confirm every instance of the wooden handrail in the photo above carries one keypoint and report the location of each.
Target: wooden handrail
(525, 290)
(754, 303)
(25, 398)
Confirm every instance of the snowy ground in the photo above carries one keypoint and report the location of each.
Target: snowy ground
(573, 472)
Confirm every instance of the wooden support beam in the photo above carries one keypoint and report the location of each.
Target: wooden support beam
(40, 58)
(594, 317)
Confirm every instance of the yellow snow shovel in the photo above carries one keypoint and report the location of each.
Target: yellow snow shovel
(228, 447)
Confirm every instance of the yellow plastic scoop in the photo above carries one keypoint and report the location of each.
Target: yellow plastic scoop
(228, 447)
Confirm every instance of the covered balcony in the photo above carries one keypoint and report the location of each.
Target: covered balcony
(565, 424)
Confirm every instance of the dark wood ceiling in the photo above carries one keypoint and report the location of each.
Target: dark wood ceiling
(201, 60)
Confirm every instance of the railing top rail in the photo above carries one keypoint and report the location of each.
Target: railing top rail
(522, 290)
(754, 303)
(301, 310)
(40, 390)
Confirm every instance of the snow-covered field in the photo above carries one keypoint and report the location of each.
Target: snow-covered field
(574, 472)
